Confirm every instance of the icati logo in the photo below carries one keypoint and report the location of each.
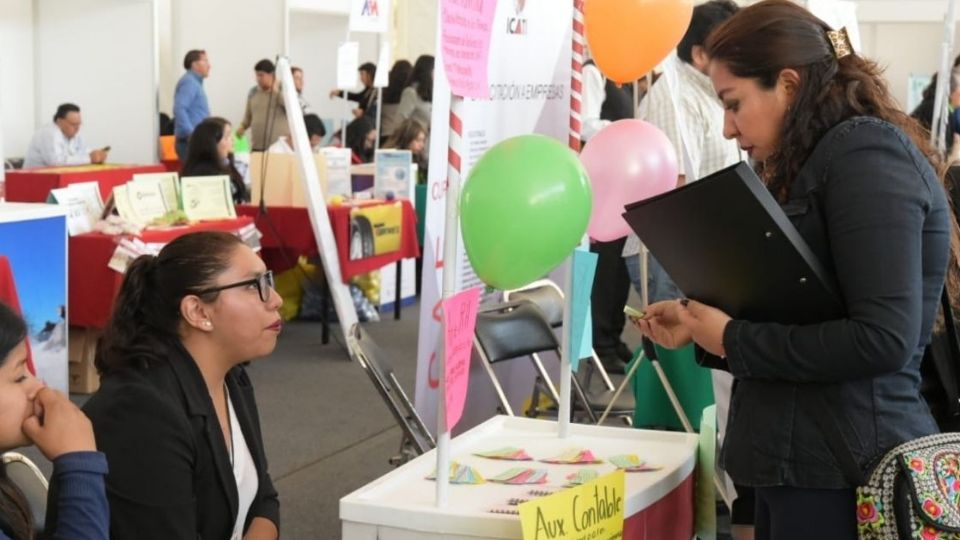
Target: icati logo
(517, 25)
(370, 9)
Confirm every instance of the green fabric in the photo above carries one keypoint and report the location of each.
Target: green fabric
(690, 382)
(420, 202)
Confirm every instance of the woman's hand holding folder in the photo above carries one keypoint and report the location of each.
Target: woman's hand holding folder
(675, 323)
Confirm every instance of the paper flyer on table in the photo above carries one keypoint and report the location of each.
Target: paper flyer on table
(84, 205)
(338, 171)
(169, 186)
(393, 178)
(147, 200)
(207, 197)
(459, 320)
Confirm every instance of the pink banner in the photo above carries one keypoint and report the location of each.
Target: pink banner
(459, 320)
(465, 27)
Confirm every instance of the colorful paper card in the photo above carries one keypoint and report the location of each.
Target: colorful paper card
(465, 42)
(521, 475)
(581, 320)
(576, 456)
(582, 477)
(461, 474)
(459, 320)
(632, 463)
(508, 453)
(393, 178)
(593, 510)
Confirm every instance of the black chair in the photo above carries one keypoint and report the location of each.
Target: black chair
(416, 437)
(516, 330)
(548, 297)
(32, 484)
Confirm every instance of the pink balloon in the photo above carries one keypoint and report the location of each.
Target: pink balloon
(627, 161)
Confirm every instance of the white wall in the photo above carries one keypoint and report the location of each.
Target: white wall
(109, 74)
(236, 34)
(416, 28)
(17, 103)
(314, 38)
(168, 65)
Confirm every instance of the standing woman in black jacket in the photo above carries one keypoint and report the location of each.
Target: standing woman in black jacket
(176, 414)
(210, 153)
(861, 185)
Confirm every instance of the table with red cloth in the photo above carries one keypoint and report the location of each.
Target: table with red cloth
(292, 226)
(33, 185)
(93, 286)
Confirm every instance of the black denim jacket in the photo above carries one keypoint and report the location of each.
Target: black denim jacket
(873, 211)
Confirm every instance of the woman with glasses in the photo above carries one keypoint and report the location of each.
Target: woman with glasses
(175, 413)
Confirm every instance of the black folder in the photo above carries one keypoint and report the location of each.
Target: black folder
(726, 242)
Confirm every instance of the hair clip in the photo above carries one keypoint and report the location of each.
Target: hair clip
(840, 40)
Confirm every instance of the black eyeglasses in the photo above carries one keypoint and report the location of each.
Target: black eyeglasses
(264, 282)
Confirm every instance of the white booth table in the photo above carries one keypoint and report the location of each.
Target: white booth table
(400, 505)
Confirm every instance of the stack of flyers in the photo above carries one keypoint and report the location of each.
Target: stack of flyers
(632, 463)
(574, 456)
(461, 474)
(507, 453)
(521, 475)
(582, 477)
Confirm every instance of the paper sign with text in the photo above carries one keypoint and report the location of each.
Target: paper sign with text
(592, 511)
(581, 320)
(370, 16)
(381, 79)
(459, 320)
(465, 27)
(348, 62)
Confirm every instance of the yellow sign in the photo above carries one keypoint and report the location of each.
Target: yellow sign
(375, 230)
(593, 511)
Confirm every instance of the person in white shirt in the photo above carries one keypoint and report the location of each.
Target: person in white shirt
(59, 143)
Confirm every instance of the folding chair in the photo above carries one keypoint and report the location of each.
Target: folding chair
(515, 330)
(548, 297)
(416, 437)
(32, 484)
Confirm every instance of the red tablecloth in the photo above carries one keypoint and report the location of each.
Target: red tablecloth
(670, 518)
(93, 285)
(292, 225)
(33, 185)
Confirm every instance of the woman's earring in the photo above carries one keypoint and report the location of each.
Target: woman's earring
(207, 324)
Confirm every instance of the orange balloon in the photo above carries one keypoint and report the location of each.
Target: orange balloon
(628, 38)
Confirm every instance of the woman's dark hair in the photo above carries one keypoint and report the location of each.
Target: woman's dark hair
(146, 313)
(314, 125)
(403, 135)
(357, 132)
(765, 38)
(203, 156)
(15, 517)
(422, 77)
(398, 79)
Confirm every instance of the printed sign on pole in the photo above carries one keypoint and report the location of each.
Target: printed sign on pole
(465, 39)
(369, 15)
(348, 62)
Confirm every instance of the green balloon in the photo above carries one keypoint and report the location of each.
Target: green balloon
(524, 207)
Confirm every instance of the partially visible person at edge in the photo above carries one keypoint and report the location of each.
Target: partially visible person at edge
(31, 413)
(211, 154)
(361, 140)
(862, 185)
(176, 413)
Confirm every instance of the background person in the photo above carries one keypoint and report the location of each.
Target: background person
(59, 143)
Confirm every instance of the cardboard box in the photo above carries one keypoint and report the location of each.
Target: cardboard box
(283, 184)
(82, 348)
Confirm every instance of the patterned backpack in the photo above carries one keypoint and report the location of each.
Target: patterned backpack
(913, 492)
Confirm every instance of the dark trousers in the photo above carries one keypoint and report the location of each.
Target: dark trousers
(786, 513)
(611, 286)
(180, 145)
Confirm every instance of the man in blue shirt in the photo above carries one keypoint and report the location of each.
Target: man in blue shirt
(189, 100)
